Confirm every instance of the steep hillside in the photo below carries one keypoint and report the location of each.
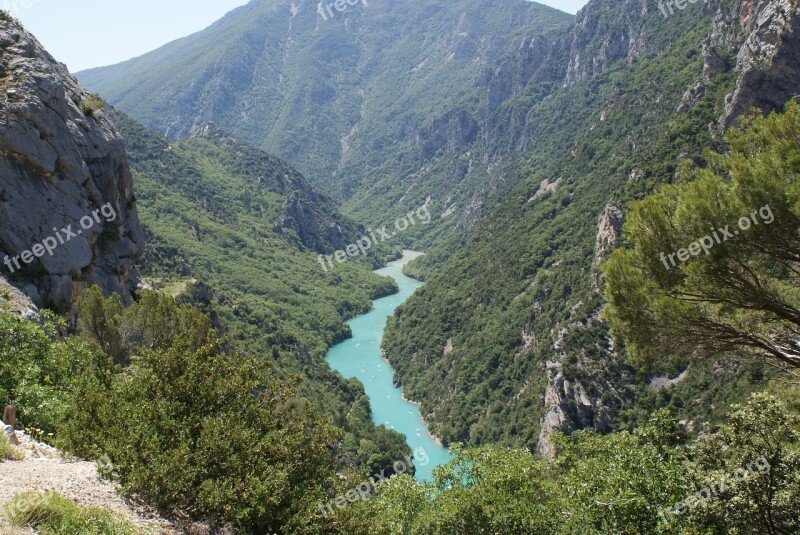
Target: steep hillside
(504, 343)
(236, 232)
(378, 105)
(66, 194)
(520, 138)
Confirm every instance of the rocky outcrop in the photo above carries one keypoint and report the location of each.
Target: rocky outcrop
(299, 218)
(596, 44)
(308, 218)
(451, 132)
(609, 230)
(764, 36)
(17, 302)
(62, 166)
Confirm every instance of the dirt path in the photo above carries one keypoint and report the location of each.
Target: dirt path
(45, 469)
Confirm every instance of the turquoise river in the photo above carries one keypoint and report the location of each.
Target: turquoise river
(360, 357)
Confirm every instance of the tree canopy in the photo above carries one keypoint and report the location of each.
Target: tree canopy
(712, 263)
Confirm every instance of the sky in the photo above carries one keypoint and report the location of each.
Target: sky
(104, 32)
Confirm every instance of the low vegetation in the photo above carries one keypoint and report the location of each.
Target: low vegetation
(7, 451)
(91, 104)
(51, 514)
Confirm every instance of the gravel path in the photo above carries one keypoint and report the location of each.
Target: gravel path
(44, 468)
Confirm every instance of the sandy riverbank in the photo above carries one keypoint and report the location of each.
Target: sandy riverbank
(408, 256)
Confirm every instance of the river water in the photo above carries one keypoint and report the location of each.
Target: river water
(360, 357)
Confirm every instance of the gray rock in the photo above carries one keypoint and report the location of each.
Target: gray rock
(57, 165)
(9, 433)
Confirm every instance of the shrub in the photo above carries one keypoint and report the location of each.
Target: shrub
(6, 16)
(193, 430)
(52, 514)
(91, 104)
(7, 451)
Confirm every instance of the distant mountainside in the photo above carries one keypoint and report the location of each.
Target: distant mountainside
(504, 344)
(377, 105)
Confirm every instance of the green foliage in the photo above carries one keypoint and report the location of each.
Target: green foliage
(210, 206)
(52, 514)
(621, 483)
(741, 297)
(91, 104)
(7, 451)
(192, 429)
(153, 322)
(6, 16)
(36, 371)
(753, 465)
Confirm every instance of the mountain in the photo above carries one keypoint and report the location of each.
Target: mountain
(505, 343)
(378, 105)
(66, 193)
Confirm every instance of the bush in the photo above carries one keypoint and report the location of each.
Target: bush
(91, 104)
(623, 483)
(7, 451)
(52, 514)
(192, 430)
(154, 322)
(6, 16)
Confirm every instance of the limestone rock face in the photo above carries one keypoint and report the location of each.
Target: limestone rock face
(765, 38)
(609, 230)
(61, 160)
(595, 46)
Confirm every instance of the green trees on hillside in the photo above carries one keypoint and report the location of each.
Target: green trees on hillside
(192, 430)
(743, 479)
(713, 263)
(36, 370)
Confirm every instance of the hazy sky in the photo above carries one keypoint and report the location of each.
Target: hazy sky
(91, 33)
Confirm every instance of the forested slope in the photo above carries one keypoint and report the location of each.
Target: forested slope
(504, 344)
(214, 212)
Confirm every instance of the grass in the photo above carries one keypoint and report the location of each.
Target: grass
(91, 104)
(7, 451)
(6, 16)
(51, 514)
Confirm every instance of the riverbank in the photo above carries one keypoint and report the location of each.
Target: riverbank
(408, 256)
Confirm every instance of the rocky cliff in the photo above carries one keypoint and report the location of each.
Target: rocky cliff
(67, 205)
